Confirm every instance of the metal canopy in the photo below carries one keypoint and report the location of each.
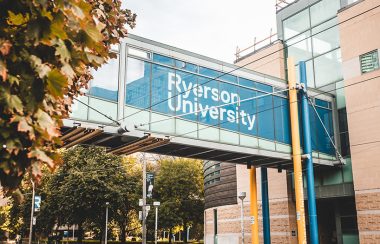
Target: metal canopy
(138, 141)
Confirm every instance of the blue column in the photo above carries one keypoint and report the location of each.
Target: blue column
(307, 150)
(265, 205)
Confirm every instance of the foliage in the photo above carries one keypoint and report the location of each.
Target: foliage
(179, 187)
(77, 193)
(46, 51)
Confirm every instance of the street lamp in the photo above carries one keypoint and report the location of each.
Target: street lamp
(156, 205)
(105, 238)
(31, 214)
(241, 196)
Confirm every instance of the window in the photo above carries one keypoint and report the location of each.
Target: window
(138, 83)
(323, 10)
(163, 59)
(369, 61)
(105, 80)
(296, 24)
(328, 68)
(138, 53)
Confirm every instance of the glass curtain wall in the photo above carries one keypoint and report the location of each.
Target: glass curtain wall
(312, 36)
(207, 104)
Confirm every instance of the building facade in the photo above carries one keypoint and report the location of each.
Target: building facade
(339, 41)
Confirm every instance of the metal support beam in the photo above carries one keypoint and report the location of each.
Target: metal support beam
(296, 152)
(307, 150)
(253, 206)
(265, 205)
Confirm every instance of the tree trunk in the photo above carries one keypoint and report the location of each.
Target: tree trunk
(170, 235)
(185, 233)
(123, 234)
(80, 233)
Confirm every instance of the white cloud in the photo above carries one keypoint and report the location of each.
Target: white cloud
(210, 27)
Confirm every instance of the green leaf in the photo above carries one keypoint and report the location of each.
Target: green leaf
(57, 27)
(14, 102)
(56, 81)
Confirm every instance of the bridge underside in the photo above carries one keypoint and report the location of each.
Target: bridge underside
(74, 133)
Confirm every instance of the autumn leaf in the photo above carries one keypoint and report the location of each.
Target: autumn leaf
(56, 81)
(41, 155)
(14, 102)
(17, 19)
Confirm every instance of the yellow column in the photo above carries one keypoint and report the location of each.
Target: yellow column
(296, 148)
(253, 206)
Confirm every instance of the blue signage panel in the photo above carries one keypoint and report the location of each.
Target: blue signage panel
(198, 94)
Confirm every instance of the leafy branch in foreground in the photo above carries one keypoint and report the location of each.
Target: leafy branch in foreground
(46, 51)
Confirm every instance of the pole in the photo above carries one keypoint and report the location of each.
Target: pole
(73, 232)
(309, 158)
(106, 237)
(31, 214)
(155, 226)
(188, 233)
(296, 151)
(242, 221)
(253, 205)
(265, 205)
(144, 202)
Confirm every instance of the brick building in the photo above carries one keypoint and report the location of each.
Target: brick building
(340, 42)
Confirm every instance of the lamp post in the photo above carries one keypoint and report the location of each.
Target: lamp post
(242, 195)
(105, 237)
(156, 205)
(31, 215)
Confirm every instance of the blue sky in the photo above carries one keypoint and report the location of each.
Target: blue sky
(210, 27)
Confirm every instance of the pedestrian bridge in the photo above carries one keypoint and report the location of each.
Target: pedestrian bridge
(160, 99)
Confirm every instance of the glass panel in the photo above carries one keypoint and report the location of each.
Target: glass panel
(209, 114)
(248, 109)
(161, 95)
(228, 114)
(209, 72)
(138, 83)
(313, 127)
(325, 39)
(296, 24)
(105, 80)
(246, 82)
(282, 122)
(138, 53)
(321, 103)
(265, 116)
(108, 108)
(78, 109)
(323, 10)
(340, 97)
(324, 144)
(186, 102)
(328, 68)
(163, 59)
(186, 66)
(229, 78)
(300, 47)
(264, 87)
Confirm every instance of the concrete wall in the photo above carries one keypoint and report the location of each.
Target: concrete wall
(268, 60)
(360, 35)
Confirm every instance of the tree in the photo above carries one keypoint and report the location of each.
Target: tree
(46, 51)
(77, 193)
(179, 187)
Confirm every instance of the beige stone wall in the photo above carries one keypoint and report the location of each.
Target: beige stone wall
(268, 60)
(358, 36)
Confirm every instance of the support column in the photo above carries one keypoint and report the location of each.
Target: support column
(296, 153)
(265, 205)
(253, 206)
(307, 150)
